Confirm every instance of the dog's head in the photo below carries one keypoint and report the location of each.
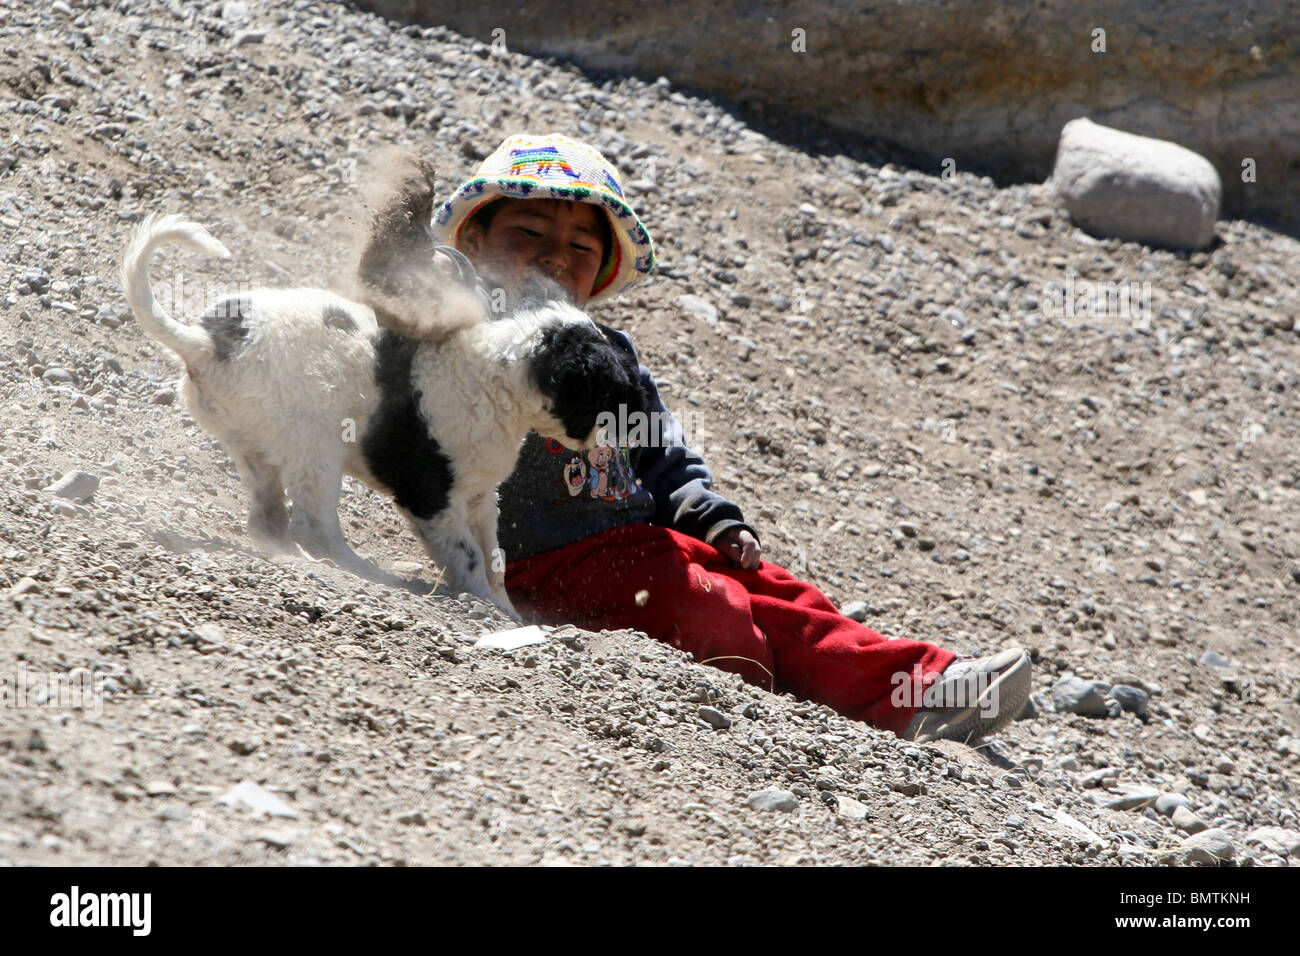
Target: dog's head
(582, 377)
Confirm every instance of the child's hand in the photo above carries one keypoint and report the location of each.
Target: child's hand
(741, 546)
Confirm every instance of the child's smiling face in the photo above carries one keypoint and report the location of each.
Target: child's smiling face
(560, 239)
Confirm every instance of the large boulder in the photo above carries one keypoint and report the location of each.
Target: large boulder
(987, 84)
(1133, 187)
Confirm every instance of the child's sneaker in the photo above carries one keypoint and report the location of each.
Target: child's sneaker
(973, 698)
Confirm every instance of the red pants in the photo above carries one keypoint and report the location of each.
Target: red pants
(771, 629)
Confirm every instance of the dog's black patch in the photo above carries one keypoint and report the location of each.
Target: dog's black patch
(471, 561)
(225, 325)
(397, 446)
(339, 318)
(584, 374)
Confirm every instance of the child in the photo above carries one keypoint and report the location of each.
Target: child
(634, 537)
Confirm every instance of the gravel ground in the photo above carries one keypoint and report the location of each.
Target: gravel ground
(872, 362)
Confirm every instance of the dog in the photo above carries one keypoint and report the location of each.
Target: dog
(302, 386)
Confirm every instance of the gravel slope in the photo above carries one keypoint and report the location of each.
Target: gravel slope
(873, 368)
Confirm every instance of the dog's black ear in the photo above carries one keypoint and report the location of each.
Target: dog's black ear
(583, 375)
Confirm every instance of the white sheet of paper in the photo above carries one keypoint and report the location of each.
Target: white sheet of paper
(515, 637)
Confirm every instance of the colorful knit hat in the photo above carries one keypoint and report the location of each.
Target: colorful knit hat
(529, 166)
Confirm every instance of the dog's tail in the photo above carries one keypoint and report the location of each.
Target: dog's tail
(395, 273)
(191, 343)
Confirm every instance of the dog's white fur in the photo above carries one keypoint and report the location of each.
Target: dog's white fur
(282, 405)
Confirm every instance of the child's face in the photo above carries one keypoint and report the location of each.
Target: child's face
(560, 239)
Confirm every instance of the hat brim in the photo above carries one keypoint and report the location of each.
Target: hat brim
(633, 255)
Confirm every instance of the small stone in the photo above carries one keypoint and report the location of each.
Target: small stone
(58, 376)
(164, 396)
(37, 280)
(851, 809)
(160, 788)
(277, 837)
(25, 585)
(256, 797)
(855, 610)
(1073, 695)
(412, 818)
(714, 718)
(699, 308)
(1132, 798)
(1167, 803)
(76, 486)
(245, 37)
(773, 798)
(1213, 659)
(1187, 821)
(1276, 839)
(1210, 847)
(1224, 766)
(1131, 700)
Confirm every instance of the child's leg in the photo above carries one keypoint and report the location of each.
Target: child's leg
(695, 599)
(647, 578)
(824, 656)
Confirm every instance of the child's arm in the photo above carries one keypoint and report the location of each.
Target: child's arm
(681, 483)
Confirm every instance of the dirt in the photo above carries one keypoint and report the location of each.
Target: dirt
(886, 388)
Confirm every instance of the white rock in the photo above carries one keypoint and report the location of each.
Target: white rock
(1187, 821)
(508, 640)
(698, 307)
(773, 798)
(256, 797)
(76, 486)
(1280, 841)
(1137, 188)
(1211, 846)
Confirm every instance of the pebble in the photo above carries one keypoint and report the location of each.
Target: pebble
(38, 280)
(1276, 839)
(1131, 798)
(855, 610)
(258, 798)
(773, 799)
(699, 308)
(1131, 700)
(25, 585)
(1167, 803)
(1187, 821)
(58, 376)
(76, 486)
(714, 718)
(1213, 659)
(847, 807)
(160, 788)
(1073, 695)
(1209, 846)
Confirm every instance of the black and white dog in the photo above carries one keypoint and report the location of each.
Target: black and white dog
(302, 386)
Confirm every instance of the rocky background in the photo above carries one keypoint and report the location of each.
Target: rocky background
(882, 371)
(981, 83)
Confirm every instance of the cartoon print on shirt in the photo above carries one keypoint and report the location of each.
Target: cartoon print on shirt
(598, 477)
(575, 475)
(603, 473)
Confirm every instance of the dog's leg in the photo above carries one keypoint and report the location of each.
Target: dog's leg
(483, 525)
(315, 523)
(268, 518)
(449, 541)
